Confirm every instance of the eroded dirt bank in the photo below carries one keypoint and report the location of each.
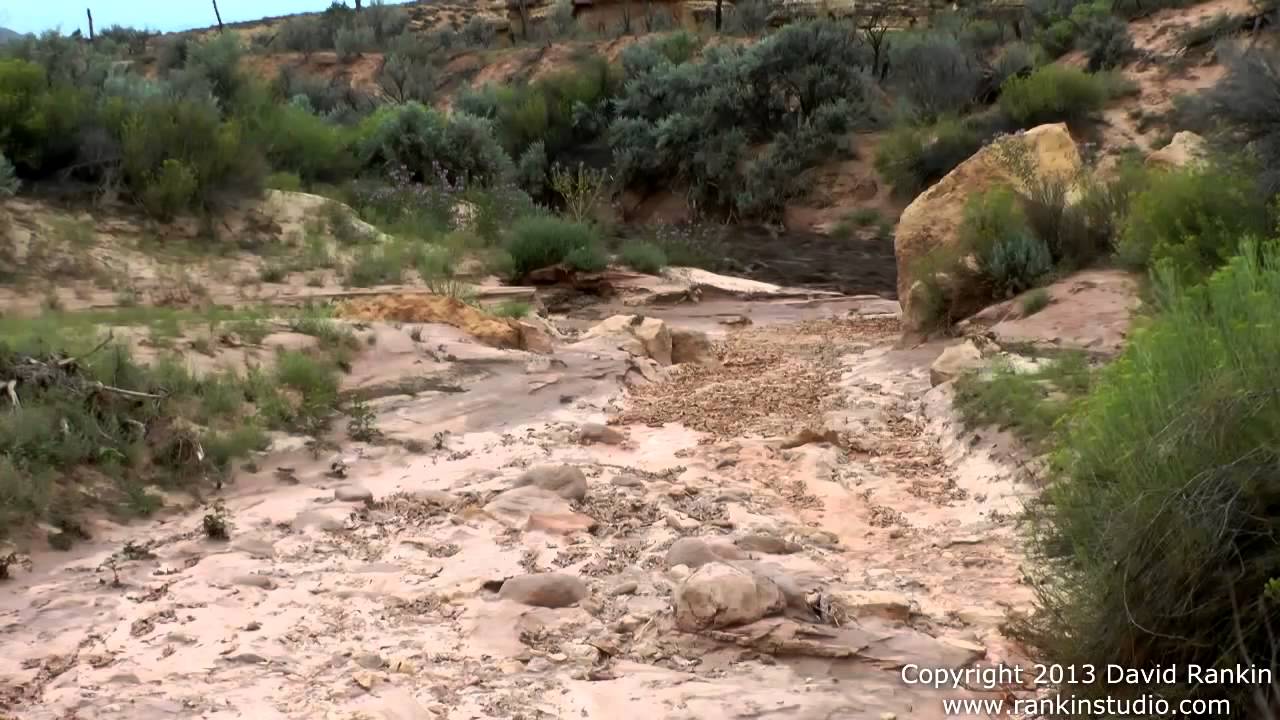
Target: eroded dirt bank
(808, 456)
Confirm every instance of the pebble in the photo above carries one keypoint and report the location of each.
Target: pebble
(258, 581)
(538, 664)
(248, 658)
(624, 588)
(627, 481)
(557, 657)
(680, 522)
(766, 543)
(566, 481)
(369, 661)
(253, 626)
(551, 590)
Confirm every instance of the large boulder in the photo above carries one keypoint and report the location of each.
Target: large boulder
(955, 361)
(933, 219)
(718, 595)
(1186, 148)
(638, 335)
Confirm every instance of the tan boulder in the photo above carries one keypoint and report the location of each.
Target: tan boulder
(1186, 148)
(933, 219)
(954, 362)
(719, 595)
(638, 335)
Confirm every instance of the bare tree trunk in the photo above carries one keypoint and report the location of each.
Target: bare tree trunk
(719, 13)
(217, 15)
(358, 7)
(89, 13)
(524, 19)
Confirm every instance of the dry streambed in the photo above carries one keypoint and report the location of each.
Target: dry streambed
(771, 527)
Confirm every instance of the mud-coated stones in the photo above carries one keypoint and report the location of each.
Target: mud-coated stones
(720, 595)
(600, 433)
(767, 543)
(566, 481)
(691, 346)
(549, 590)
(696, 552)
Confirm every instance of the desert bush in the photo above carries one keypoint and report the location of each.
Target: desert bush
(1016, 58)
(305, 35)
(385, 21)
(749, 17)
(1240, 108)
(479, 32)
(9, 182)
(39, 121)
(1035, 301)
(332, 98)
(935, 75)
(170, 190)
(581, 189)
(1193, 219)
(132, 39)
(1154, 537)
(404, 79)
(531, 169)
(561, 20)
(538, 242)
(352, 41)
(911, 158)
(294, 139)
(1053, 93)
(217, 61)
(1105, 41)
(641, 256)
(461, 147)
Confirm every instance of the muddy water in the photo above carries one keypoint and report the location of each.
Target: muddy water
(852, 266)
(898, 545)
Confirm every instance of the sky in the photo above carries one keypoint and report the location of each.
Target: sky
(163, 15)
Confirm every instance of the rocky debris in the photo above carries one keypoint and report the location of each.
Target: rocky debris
(564, 523)
(1186, 148)
(627, 480)
(768, 544)
(427, 308)
(628, 587)
(933, 219)
(353, 493)
(549, 590)
(692, 346)
(441, 498)
(600, 433)
(566, 481)
(253, 580)
(809, 436)
(955, 361)
(695, 552)
(680, 522)
(718, 595)
(323, 520)
(534, 338)
(865, 603)
(636, 334)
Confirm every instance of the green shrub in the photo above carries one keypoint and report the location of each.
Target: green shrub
(1035, 301)
(912, 158)
(305, 35)
(1031, 404)
(512, 309)
(462, 146)
(288, 181)
(403, 79)
(539, 242)
(645, 257)
(1010, 257)
(1106, 42)
(935, 75)
(749, 17)
(531, 169)
(9, 182)
(294, 139)
(1241, 111)
(479, 32)
(1193, 218)
(1155, 537)
(1053, 93)
(350, 42)
(171, 190)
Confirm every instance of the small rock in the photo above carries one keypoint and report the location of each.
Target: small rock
(551, 590)
(258, 581)
(862, 603)
(363, 679)
(600, 433)
(247, 658)
(516, 507)
(696, 552)
(403, 666)
(253, 626)
(888, 716)
(560, 523)
(624, 588)
(566, 481)
(627, 624)
(353, 493)
(538, 664)
(692, 346)
(964, 540)
(557, 657)
(768, 544)
(510, 667)
(437, 497)
(369, 661)
(955, 361)
(680, 522)
(324, 520)
(720, 595)
(627, 481)
(978, 615)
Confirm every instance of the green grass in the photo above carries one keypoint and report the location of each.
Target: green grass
(538, 242)
(386, 264)
(1156, 539)
(1035, 301)
(68, 447)
(643, 256)
(1029, 404)
(512, 309)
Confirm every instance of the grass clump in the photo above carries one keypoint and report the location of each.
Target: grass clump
(514, 309)
(1157, 533)
(645, 257)
(1029, 403)
(1053, 93)
(538, 242)
(1035, 301)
